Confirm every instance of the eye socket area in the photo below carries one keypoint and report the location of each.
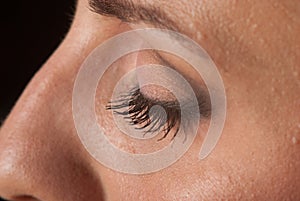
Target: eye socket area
(134, 104)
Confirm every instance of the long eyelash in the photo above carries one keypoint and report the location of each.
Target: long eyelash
(135, 107)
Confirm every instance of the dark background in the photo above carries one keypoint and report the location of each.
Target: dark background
(31, 31)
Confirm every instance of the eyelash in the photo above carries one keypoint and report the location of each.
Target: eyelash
(135, 107)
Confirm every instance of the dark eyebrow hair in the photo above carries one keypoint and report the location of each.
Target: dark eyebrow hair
(127, 11)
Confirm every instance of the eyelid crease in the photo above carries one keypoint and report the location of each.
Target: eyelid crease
(200, 91)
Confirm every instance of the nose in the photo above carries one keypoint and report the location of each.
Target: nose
(41, 157)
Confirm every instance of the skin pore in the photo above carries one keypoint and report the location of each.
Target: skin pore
(256, 47)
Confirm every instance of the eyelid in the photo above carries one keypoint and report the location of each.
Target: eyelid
(152, 59)
(155, 92)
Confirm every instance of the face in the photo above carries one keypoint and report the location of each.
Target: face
(255, 46)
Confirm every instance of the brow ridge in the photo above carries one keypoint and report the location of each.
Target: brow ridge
(130, 12)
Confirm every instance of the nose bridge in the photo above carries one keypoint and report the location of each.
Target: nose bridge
(37, 109)
(33, 139)
(32, 111)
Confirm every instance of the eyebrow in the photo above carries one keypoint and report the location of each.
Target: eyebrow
(128, 11)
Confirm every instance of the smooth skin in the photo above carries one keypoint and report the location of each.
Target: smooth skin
(256, 47)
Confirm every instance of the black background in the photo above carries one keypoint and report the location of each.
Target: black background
(31, 31)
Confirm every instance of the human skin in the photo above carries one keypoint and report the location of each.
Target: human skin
(256, 47)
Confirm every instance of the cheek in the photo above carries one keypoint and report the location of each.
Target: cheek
(259, 144)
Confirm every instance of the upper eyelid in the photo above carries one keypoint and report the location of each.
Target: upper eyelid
(200, 90)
